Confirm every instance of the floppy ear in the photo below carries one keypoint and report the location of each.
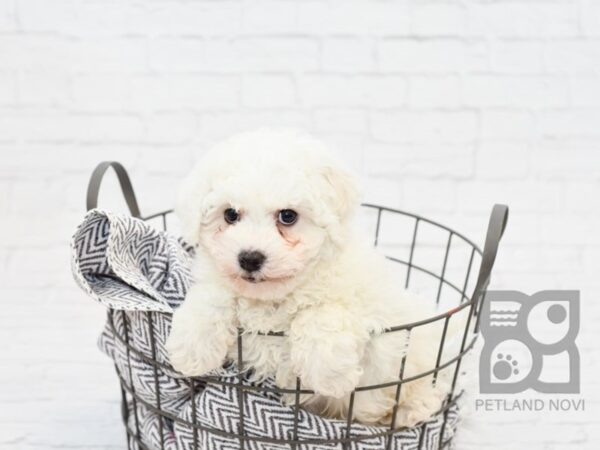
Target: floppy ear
(343, 195)
(193, 204)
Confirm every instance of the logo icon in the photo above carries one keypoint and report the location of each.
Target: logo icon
(529, 342)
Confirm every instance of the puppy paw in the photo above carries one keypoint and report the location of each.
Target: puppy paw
(418, 408)
(202, 330)
(331, 371)
(334, 383)
(195, 352)
(195, 359)
(411, 415)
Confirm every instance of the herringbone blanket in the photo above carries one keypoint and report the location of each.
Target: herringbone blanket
(141, 275)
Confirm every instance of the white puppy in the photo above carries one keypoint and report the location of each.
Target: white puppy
(270, 213)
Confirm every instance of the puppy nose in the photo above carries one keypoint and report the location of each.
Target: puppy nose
(251, 261)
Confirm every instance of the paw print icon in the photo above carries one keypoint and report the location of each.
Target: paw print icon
(529, 342)
(505, 367)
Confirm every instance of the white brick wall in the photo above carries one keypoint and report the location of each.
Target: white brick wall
(444, 107)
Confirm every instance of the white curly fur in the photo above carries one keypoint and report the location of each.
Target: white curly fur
(321, 284)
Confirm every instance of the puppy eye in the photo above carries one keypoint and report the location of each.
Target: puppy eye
(287, 217)
(231, 215)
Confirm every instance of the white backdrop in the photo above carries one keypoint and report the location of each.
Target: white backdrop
(443, 107)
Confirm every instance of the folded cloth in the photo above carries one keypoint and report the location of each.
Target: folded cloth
(135, 271)
(141, 275)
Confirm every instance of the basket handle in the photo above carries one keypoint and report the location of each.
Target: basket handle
(496, 227)
(126, 187)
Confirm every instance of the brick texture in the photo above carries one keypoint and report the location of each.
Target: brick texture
(443, 107)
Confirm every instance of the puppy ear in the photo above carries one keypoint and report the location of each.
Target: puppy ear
(343, 188)
(192, 206)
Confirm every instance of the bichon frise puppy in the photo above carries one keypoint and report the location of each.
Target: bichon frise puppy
(270, 213)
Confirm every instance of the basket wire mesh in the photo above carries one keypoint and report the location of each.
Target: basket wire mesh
(477, 285)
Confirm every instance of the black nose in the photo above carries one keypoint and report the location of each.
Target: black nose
(251, 261)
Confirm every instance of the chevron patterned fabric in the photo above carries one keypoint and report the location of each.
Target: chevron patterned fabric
(141, 275)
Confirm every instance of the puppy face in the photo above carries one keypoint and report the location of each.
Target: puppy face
(260, 245)
(265, 207)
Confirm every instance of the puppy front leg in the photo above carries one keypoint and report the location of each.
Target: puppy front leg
(202, 330)
(327, 345)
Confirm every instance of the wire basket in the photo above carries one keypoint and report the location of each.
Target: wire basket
(457, 284)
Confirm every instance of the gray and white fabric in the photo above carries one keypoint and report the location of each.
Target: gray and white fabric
(265, 416)
(141, 275)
